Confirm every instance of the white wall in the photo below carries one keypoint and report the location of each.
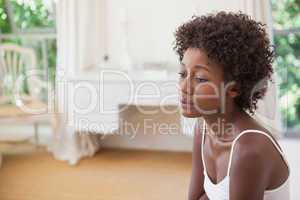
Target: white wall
(291, 150)
(151, 25)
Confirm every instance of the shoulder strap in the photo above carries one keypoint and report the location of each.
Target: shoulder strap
(254, 131)
(202, 146)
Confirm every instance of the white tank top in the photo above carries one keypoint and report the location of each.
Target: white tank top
(220, 191)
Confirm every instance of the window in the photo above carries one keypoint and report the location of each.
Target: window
(31, 23)
(286, 21)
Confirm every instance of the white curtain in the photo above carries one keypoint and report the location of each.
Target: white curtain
(80, 40)
(268, 112)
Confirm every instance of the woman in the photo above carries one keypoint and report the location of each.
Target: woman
(223, 57)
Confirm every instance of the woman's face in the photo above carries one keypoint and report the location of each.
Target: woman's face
(200, 84)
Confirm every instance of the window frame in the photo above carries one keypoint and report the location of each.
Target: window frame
(289, 132)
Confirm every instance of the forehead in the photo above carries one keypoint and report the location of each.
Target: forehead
(194, 57)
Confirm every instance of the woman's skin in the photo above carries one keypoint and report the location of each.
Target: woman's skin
(256, 164)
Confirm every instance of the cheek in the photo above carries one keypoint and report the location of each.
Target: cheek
(207, 97)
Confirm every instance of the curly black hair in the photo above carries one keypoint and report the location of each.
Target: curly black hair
(236, 42)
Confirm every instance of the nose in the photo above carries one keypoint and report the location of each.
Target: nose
(186, 86)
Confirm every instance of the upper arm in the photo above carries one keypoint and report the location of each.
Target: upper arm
(248, 175)
(197, 178)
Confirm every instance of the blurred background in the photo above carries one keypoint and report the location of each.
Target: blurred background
(32, 23)
(72, 42)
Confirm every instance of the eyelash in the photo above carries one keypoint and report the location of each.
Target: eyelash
(200, 80)
(182, 74)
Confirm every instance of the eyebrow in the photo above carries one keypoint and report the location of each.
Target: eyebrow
(199, 66)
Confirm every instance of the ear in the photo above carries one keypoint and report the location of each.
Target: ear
(232, 89)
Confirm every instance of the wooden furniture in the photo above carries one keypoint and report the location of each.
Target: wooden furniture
(99, 95)
(18, 106)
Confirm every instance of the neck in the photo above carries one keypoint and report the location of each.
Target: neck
(224, 125)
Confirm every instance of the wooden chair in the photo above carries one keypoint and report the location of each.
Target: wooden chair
(17, 105)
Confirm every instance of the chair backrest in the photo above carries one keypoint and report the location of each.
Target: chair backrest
(16, 61)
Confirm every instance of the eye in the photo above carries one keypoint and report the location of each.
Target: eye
(182, 74)
(201, 80)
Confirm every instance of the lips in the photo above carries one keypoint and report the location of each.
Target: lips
(186, 103)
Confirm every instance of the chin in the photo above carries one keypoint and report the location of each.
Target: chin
(190, 114)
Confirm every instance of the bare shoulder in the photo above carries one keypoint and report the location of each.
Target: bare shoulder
(248, 148)
(254, 148)
(251, 143)
(250, 167)
(256, 145)
(249, 171)
(257, 160)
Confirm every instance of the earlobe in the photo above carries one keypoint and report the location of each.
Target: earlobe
(233, 93)
(233, 90)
